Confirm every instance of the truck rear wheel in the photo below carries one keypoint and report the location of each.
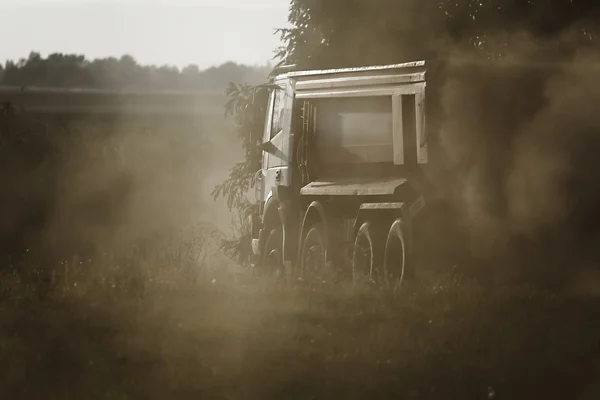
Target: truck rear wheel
(366, 256)
(313, 256)
(395, 262)
(272, 258)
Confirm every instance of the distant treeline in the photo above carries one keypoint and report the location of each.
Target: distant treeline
(75, 71)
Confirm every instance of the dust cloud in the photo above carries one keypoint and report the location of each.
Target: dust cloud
(119, 233)
(522, 138)
(107, 186)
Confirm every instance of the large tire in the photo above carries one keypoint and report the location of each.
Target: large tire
(396, 263)
(367, 256)
(313, 257)
(272, 256)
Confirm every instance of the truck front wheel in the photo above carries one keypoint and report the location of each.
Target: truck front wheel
(396, 262)
(272, 256)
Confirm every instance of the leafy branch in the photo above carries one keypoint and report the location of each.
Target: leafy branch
(247, 105)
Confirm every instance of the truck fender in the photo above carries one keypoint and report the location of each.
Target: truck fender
(271, 214)
(316, 212)
(388, 211)
(270, 217)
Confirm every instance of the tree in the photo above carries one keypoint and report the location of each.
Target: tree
(247, 105)
(333, 33)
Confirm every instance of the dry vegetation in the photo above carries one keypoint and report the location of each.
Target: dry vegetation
(215, 337)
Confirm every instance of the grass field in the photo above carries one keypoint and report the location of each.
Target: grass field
(89, 102)
(228, 340)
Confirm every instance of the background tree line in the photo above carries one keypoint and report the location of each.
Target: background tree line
(75, 71)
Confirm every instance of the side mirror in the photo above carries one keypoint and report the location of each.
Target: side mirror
(268, 147)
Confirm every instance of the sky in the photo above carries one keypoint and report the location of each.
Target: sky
(160, 32)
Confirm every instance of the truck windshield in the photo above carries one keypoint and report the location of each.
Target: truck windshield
(278, 110)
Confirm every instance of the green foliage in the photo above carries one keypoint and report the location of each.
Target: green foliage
(334, 33)
(247, 105)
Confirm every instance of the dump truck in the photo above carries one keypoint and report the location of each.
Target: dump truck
(357, 176)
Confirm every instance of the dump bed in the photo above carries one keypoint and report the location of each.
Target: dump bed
(478, 124)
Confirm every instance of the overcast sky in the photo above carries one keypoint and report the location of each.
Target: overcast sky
(175, 32)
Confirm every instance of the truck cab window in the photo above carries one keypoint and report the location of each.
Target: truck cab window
(278, 109)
